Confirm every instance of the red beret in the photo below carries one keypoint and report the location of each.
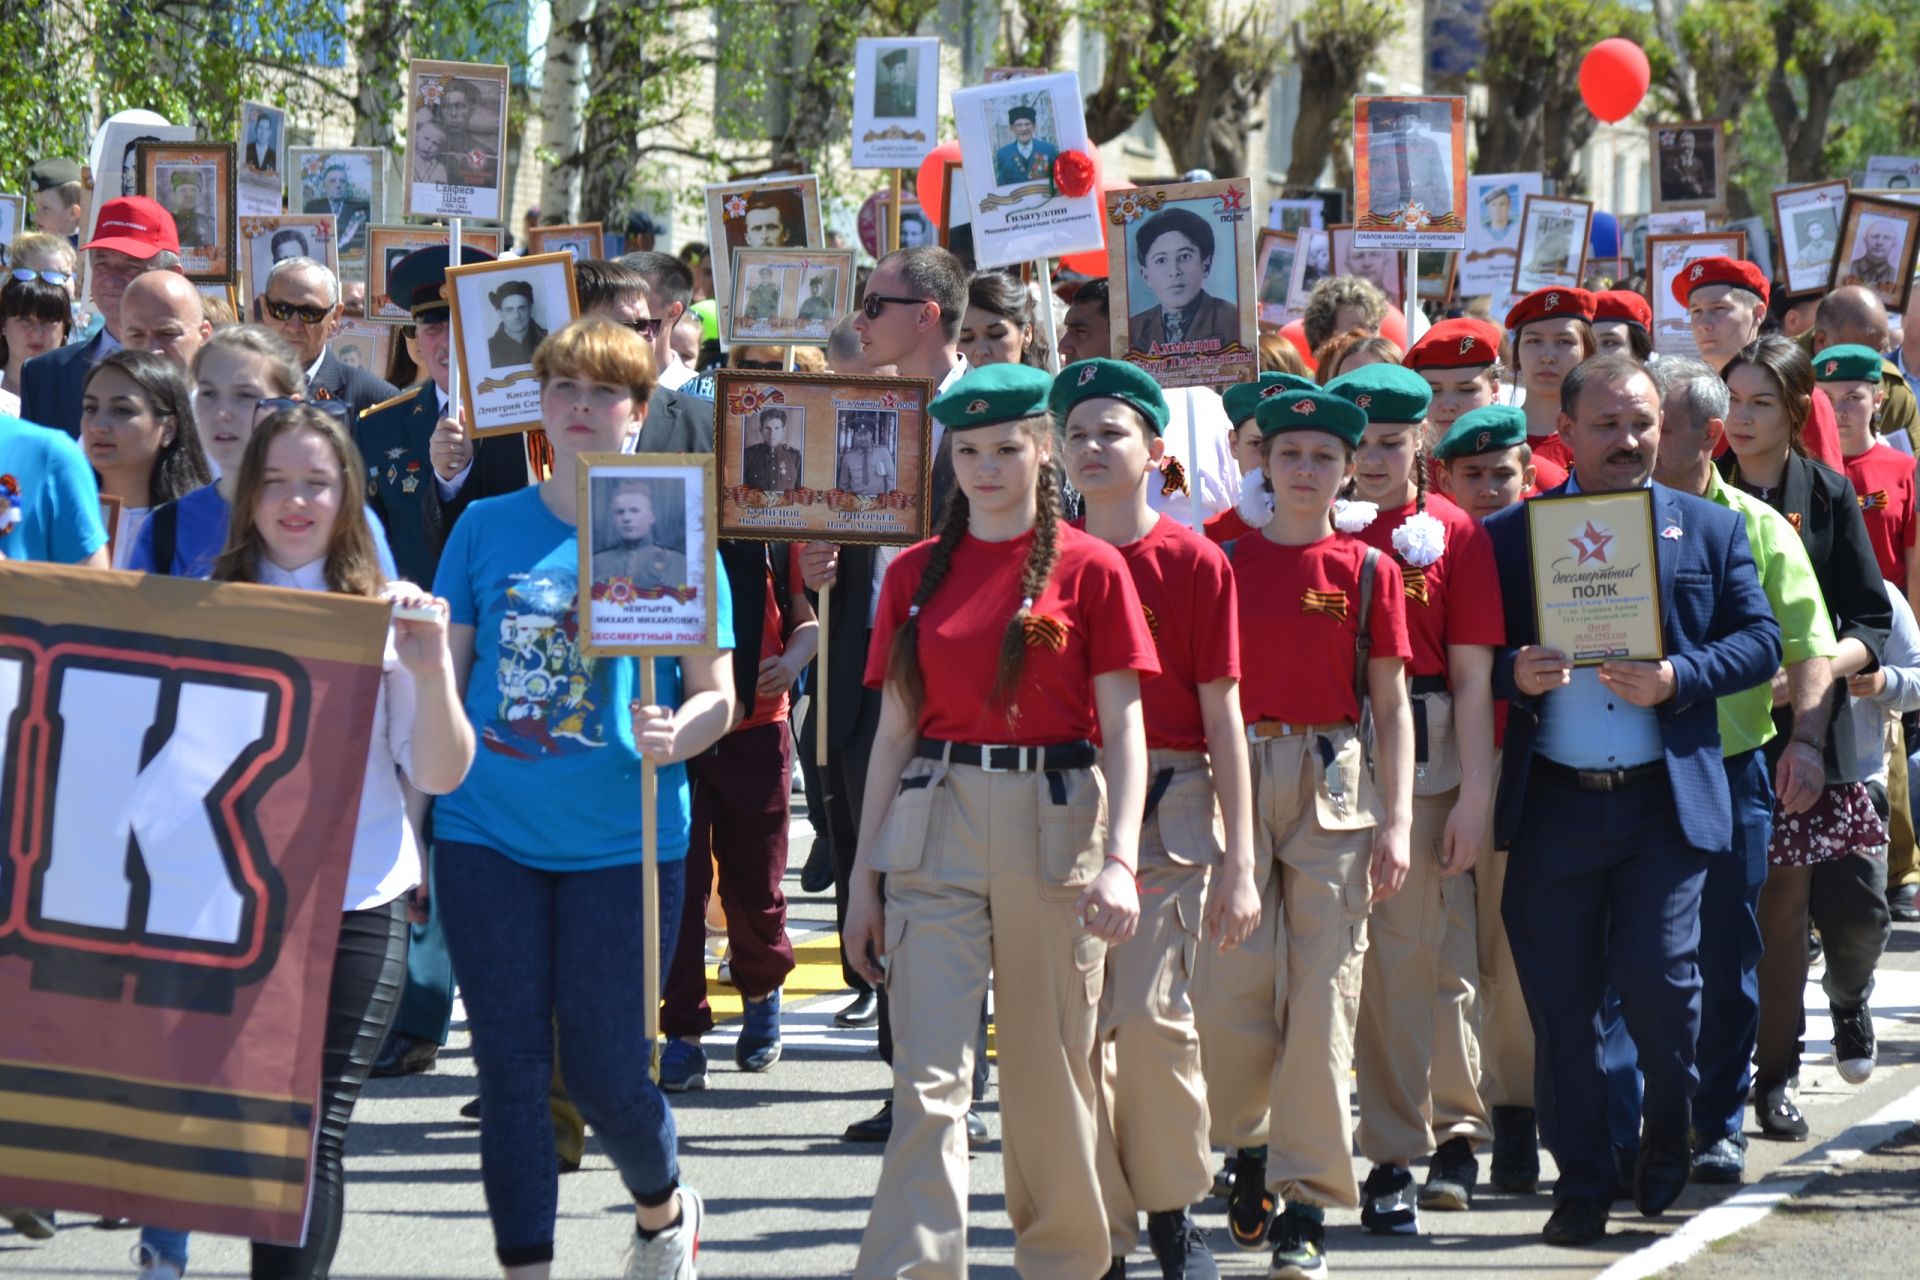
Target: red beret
(1461, 343)
(1623, 304)
(1549, 304)
(1741, 275)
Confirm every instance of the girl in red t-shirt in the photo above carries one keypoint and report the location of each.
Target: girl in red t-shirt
(1277, 1014)
(997, 647)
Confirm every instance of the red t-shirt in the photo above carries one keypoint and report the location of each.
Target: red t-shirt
(1454, 600)
(1883, 477)
(1090, 595)
(773, 643)
(1553, 449)
(1227, 526)
(1304, 674)
(1547, 474)
(1186, 592)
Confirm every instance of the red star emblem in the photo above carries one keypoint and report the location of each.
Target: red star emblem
(1303, 407)
(1592, 545)
(1466, 344)
(1553, 300)
(1363, 401)
(1232, 200)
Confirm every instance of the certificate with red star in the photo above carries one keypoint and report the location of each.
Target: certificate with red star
(1596, 582)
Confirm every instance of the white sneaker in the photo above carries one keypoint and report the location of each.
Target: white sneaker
(671, 1255)
(151, 1267)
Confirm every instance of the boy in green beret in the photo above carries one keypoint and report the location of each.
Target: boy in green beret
(1850, 374)
(1485, 462)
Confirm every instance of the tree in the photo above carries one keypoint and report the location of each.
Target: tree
(1335, 44)
(1722, 53)
(1824, 46)
(563, 103)
(1205, 107)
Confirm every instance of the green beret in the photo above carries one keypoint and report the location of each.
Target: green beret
(1242, 398)
(1385, 392)
(1311, 411)
(1103, 379)
(991, 395)
(1492, 428)
(1849, 362)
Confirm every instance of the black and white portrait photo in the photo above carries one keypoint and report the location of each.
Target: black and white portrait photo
(645, 547)
(774, 446)
(518, 332)
(1807, 219)
(502, 311)
(896, 101)
(866, 460)
(1689, 165)
(260, 130)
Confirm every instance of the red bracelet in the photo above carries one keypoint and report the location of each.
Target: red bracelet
(1120, 861)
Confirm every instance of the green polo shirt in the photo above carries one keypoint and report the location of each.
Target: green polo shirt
(1806, 629)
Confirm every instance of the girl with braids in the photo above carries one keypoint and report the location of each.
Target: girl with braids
(998, 648)
(1552, 332)
(1416, 1056)
(1277, 1013)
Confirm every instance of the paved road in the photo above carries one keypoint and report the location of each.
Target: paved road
(788, 1198)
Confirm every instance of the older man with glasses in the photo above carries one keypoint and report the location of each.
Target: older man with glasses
(301, 302)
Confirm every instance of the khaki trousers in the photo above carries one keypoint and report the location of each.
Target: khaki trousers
(1154, 1149)
(1417, 1057)
(1506, 1033)
(1276, 1014)
(1902, 866)
(982, 873)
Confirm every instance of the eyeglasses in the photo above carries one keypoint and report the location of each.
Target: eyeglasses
(332, 408)
(51, 277)
(285, 311)
(648, 329)
(877, 302)
(762, 366)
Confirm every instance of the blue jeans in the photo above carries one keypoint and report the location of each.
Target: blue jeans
(538, 948)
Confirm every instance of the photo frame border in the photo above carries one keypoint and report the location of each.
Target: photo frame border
(1120, 210)
(149, 155)
(376, 199)
(714, 197)
(1661, 301)
(1297, 290)
(1449, 231)
(1262, 238)
(500, 266)
(592, 464)
(1909, 248)
(1520, 251)
(1714, 204)
(1336, 263)
(19, 204)
(1466, 251)
(278, 179)
(376, 266)
(1060, 224)
(925, 122)
(501, 188)
(538, 235)
(284, 221)
(842, 260)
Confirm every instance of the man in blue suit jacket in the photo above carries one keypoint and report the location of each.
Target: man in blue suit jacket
(1612, 799)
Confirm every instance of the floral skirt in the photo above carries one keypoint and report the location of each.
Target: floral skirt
(1841, 821)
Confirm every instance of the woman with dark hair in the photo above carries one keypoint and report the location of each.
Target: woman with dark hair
(998, 326)
(1174, 249)
(1622, 321)
(1552, 331)
(36, 316)
(1829, 859)
(136, 425)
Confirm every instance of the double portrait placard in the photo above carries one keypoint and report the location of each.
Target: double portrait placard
(1596, 583)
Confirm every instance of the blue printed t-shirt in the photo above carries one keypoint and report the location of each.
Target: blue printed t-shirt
(200, 535)
(556, 781)
(49, 502)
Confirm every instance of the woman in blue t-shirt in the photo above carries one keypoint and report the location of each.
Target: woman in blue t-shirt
(539, 878)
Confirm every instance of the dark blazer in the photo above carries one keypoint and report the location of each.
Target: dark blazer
(361, 389)
(847, 641)
(1721, 638)
(676, 423)
(1214, 319)
(51, 385)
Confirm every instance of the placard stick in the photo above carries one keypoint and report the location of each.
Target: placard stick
(453, 365)
(1045, 277)
(788, 366)
(1413, 291)
(820, 686)
(650, 887)
(893, 210)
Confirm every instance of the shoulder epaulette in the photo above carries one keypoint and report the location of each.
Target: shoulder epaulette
(404, 396)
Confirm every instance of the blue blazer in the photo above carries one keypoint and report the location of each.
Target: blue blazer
(52, 385)
(1721, 638)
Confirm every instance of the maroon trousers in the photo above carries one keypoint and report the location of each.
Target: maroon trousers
(741, 801)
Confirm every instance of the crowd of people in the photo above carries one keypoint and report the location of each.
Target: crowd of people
(1217, 724)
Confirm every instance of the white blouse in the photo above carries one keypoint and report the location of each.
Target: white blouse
(386, 858)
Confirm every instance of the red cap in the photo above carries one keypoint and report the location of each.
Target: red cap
(1460, 343)
(1549, 304)
(135, 226)
(1728, 271)
(1624, 305)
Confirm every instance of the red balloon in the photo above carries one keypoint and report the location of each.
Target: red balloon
(1613, 78)
(1393, 326)
(931, 182)
(1295, 331)
(1093, 262)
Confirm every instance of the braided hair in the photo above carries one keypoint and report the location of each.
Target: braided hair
(1422, 471)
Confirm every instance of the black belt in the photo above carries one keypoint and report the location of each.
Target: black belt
(1423, 685)
(1058, 755)
(1157, 788)
(1601, 779)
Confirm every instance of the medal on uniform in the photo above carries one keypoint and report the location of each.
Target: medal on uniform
(412, 481)
(393, 473)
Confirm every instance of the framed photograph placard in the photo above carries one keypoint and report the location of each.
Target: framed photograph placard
(1690, 165)
(1893, 173)
(389, 244)
(362, 344)
(1312, 263)
(768, 213)
(456, 137)
(1012, 136)
(1878, 240)
(1295, 215)
(115, 171)
(194, 182)
(788, 297)
(502, 311)
(13, 220)
(647, 554)
(956, 224)
(1410, 172)
(1273, 268)
(1596, 582)
(871, 223)
(1385, 268)
(1667, 257)
(349, 185)
(263, 132)
(1180, 263)
(265, 241)
(581, 239)
(896, 101)
(821, 456)
(1553, 243)
(1495, 203)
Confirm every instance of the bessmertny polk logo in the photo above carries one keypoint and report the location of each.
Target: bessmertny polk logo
(133, 771)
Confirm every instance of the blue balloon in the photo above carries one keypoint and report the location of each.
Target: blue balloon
(1604, 242)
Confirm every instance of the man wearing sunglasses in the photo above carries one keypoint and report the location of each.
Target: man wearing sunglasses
(675, 422)
(301, 302)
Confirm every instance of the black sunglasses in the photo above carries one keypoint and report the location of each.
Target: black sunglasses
(877, 302)
(332, 408)
(762, 366)
(647, 329)
(285, 311)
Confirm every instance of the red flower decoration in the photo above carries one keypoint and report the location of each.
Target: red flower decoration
(1073, 173)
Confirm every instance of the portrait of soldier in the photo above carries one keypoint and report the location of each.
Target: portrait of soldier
(1405, 161)
(1028, 156)
(633, 553)
(865, 467)
(512, 343)
(763, 299)
(772, 465)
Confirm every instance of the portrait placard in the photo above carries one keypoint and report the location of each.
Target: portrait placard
(1410, 172)
(263, 129)
(1312, 263)
(265, 241)
(1898, 195)
(871, 223)
(388, 244)
(1273, 259)
(1892, 173)
(1690, 165)
(456, 138)
(896, 101)
(361, 344)
(1295, 215)
(1596, 584)
(502, 311)
(1553, 243)
(807, 456)
(1878, 239)
(194, 181)
(1677, 222)
(113, 154)
(788, 297)
(1382, 267)
(581, 239)
(349, 185)
(13, 220)
(956, 226)
(1495, 203)
(647, 554)
(769, 213)
(1000, 75)
(1180, 265)
(1012, 137)
(1668, 256)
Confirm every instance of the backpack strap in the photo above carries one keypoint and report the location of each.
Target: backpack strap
(1363, 639)
(165, 523)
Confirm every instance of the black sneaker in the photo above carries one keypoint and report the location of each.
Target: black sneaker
(1387, 1206)
(1300, 1243)
(1452, 1175)
(1516, 1151)
(1223, 1180)
(1903, 903)
(1180, 1247)
(1249, 1203)
(1854, 1052)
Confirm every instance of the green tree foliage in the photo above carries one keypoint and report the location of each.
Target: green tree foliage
(1335, 43)
(1820, 47)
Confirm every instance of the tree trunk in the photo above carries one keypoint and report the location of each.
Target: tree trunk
(563, 101)
(1681, 79)
(1315, 131)
(384, 28)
